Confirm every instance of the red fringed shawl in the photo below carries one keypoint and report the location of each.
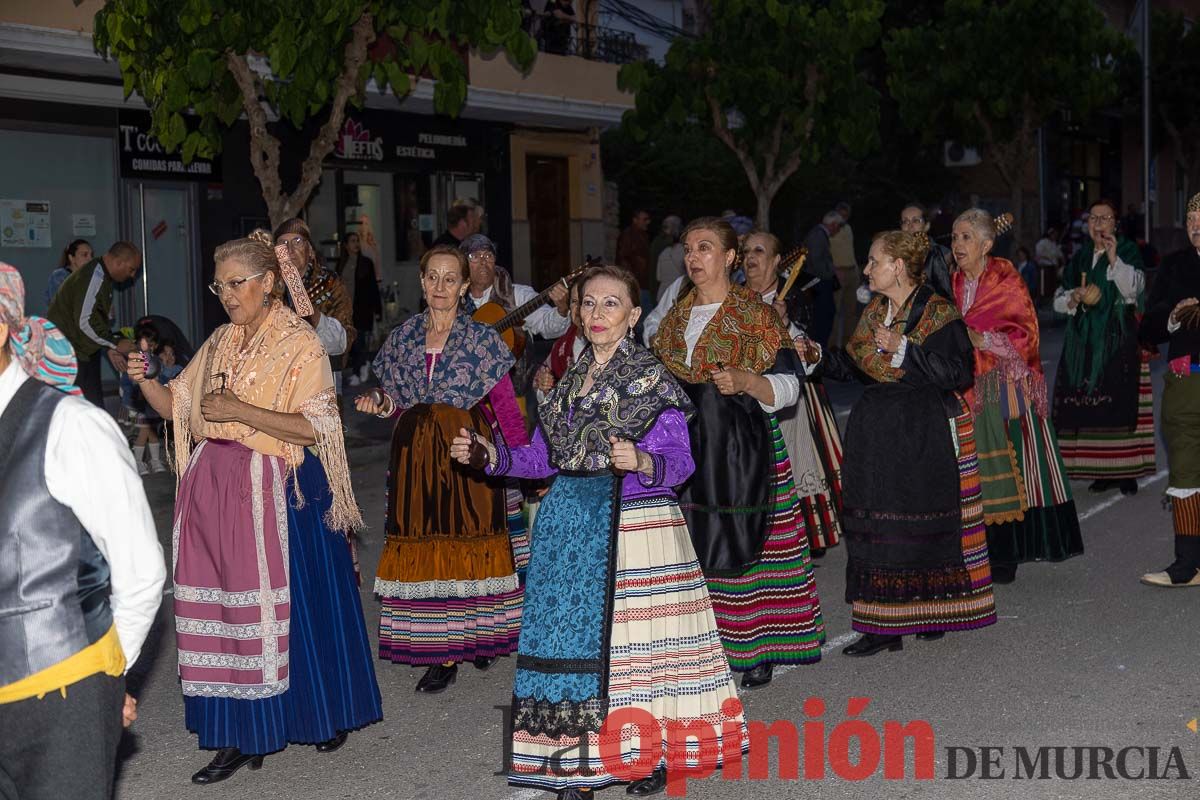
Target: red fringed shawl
(1002, 306)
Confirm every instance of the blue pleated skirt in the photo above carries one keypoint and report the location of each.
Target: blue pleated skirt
(333, 686)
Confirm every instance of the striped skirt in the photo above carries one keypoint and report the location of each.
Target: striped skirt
(1045, 525)
(770, 614)
(665, 659)
(815, 449)
(1114, 453)
(974, 610)
(461, 621)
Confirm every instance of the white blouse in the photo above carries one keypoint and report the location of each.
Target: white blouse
(786, 387)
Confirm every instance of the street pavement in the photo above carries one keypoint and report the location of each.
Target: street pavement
(1082, 656)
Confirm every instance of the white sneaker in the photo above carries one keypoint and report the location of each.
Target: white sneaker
(158, 466)
(354, 380)
(143, 468)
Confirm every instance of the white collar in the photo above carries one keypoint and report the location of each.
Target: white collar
(10, 381)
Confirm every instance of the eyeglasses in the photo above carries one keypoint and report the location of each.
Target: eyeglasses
(293, 243)
(1101, 218)
(216, 287)
(482, 255)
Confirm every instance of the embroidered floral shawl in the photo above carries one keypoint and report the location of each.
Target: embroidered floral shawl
(473, 361)
(937, 312)
(627, 397)
(1002, 306)
(282, 368)
(745, 333)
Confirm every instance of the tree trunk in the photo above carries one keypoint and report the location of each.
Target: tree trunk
(264, 146)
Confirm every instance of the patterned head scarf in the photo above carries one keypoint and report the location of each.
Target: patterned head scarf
(39, 347)
(1194, 203)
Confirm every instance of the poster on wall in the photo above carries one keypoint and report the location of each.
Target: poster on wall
(25, 223)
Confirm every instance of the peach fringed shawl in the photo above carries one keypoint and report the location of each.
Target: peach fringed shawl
(283, 368)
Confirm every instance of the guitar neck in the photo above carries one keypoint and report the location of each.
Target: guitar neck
(518, 314)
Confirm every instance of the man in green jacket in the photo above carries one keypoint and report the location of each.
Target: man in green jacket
(82, 309)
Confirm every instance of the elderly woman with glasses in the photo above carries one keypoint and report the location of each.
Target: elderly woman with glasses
(448, 578)
(333, 309)
(617, 621)
(268, 621)
(1027, 504)
(1103, 398)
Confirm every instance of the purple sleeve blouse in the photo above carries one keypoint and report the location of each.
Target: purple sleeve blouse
(666, 443)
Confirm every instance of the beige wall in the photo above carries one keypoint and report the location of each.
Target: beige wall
(585, 192)
(61, 14)
(551, 75)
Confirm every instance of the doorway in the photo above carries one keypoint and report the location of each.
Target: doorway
(160, 219)
(548, 209)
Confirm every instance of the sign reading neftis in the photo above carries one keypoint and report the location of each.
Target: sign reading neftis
(143, 157)
(398, 140)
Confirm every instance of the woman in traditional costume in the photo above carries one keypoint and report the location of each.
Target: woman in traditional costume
(913, 515)
(447, 579)
(617, 617)
(1027, 504)
(272, 645)
(810, 430)
(737, 363)
(1103, 398)
(1173, 316)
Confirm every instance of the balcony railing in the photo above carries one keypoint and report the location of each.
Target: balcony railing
(592, 42)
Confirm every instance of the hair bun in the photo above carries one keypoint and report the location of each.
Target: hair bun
(260, 235)
(921, 244)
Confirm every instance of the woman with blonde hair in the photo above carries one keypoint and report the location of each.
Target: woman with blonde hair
(917, 559)
(268, 621)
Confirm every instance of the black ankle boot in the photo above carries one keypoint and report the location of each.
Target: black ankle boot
(758, 677)
(437, 678)
(1003, 573)
(1129, 487)
(329, 745)
(656, 783)
(931, 636)
(483, 662)
(227, 761)
(872, 643)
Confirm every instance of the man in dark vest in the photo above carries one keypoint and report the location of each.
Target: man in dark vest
(81, 569)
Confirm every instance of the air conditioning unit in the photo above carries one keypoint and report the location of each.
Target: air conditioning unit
(956, 155)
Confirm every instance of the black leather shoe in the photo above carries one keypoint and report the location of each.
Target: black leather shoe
(227, 761)
(1129, 486)
(758, 677)
(1003, 573)
(575, 794)
(931, 636)
(483, 662)
(817, 552)
(1101, 485)
(870, 644)
(329, 745)
(656, 783)
(437, 678)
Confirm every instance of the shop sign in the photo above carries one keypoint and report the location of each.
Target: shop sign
(142, 156)
(355, 143)
(399, 140)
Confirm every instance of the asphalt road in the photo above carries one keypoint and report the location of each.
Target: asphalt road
(1083, 656)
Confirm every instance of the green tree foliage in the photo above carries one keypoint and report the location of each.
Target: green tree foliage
(779, 83)
(990, 74)
(296, 60)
